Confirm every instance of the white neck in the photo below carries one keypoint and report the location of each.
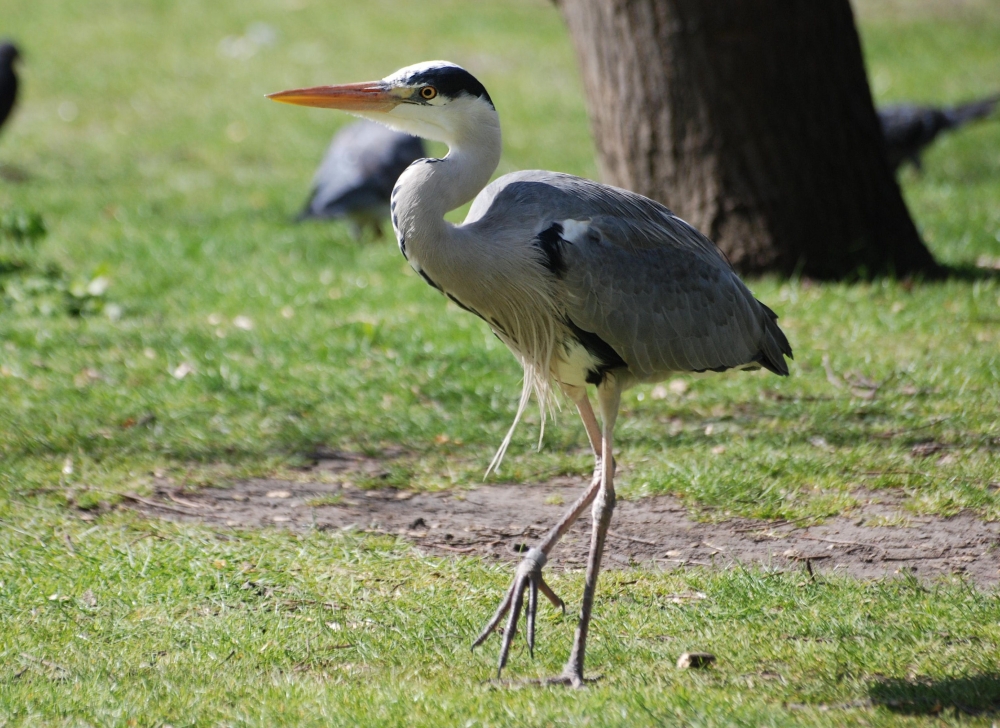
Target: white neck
(485, 273)
(430, 188)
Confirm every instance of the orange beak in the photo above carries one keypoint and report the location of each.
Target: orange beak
(368, 96)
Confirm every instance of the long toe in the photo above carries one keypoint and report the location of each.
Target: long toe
(528, 578)
(530, 611)
(497, 616)
(512, 619)
(551, 595)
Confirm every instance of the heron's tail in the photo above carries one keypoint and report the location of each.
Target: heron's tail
(774, 346)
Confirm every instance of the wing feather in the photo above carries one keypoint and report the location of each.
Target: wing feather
(660, 293)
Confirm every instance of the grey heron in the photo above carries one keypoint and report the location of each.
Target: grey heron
(910, 128)
(357, 174)
(8, 79)
(587, 284)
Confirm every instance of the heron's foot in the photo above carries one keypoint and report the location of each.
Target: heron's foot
(569, 679)
(566, 678)
(527, 578)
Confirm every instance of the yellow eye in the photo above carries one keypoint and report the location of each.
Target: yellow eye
(428, 92)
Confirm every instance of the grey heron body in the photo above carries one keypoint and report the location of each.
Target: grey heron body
(358, 172)
(586, 284)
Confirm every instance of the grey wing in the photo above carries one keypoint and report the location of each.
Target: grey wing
(666, 309)
(632, 274)
(360, 168)
(543, 197)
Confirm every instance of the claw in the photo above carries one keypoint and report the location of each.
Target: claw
(547, 591)
(528, 578)
(497, 616)
(512, 619)
(529, 614)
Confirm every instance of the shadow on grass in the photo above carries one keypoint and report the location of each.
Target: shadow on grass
(973, 695)
(969, 272)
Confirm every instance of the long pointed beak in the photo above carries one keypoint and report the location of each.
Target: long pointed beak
(368, 96)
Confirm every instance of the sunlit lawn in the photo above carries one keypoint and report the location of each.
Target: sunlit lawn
(171, 318)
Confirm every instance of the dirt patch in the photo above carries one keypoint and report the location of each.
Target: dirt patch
(494, 521)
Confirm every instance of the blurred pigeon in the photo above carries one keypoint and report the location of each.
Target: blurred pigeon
(358, 173)
(909, 128)
(8, 79)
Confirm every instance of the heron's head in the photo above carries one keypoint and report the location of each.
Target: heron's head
(435, 100)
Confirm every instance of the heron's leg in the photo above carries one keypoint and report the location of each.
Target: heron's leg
(582, 401)
(590, 424)
(609, 398)
(529, 572)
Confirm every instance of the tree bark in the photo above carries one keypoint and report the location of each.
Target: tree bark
(752, 120)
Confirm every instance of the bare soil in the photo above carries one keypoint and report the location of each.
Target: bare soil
(498, 521)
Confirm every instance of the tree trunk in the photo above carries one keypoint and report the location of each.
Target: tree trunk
(753, 120)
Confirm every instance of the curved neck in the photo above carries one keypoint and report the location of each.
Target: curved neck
(431, 187)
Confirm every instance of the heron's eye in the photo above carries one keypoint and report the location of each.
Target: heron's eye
(428, 92)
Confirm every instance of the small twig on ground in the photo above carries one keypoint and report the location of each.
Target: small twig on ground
(776, 524)
(47, 663)
(859, 385)
(824, 707)
(897, 472)
(23, 533)
(455, 549)
(632, 538)
(685, 597)
(22, 499)
(941, 555)
(156, 504)
(931, 476)
(144, 536)
(831, 376)
(893, 433)
(301, 600)
(836, 541)
(685, 562)
(864, 387)
(183, 502)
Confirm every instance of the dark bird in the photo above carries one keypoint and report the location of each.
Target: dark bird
(909, 128)
(356, 177)
(587, 284)
(8, 79)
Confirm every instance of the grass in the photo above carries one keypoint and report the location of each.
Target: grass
(169, 625)
(160, 314)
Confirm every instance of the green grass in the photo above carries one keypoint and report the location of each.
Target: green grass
(157, 168)
(944, 53)
(162, 624)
